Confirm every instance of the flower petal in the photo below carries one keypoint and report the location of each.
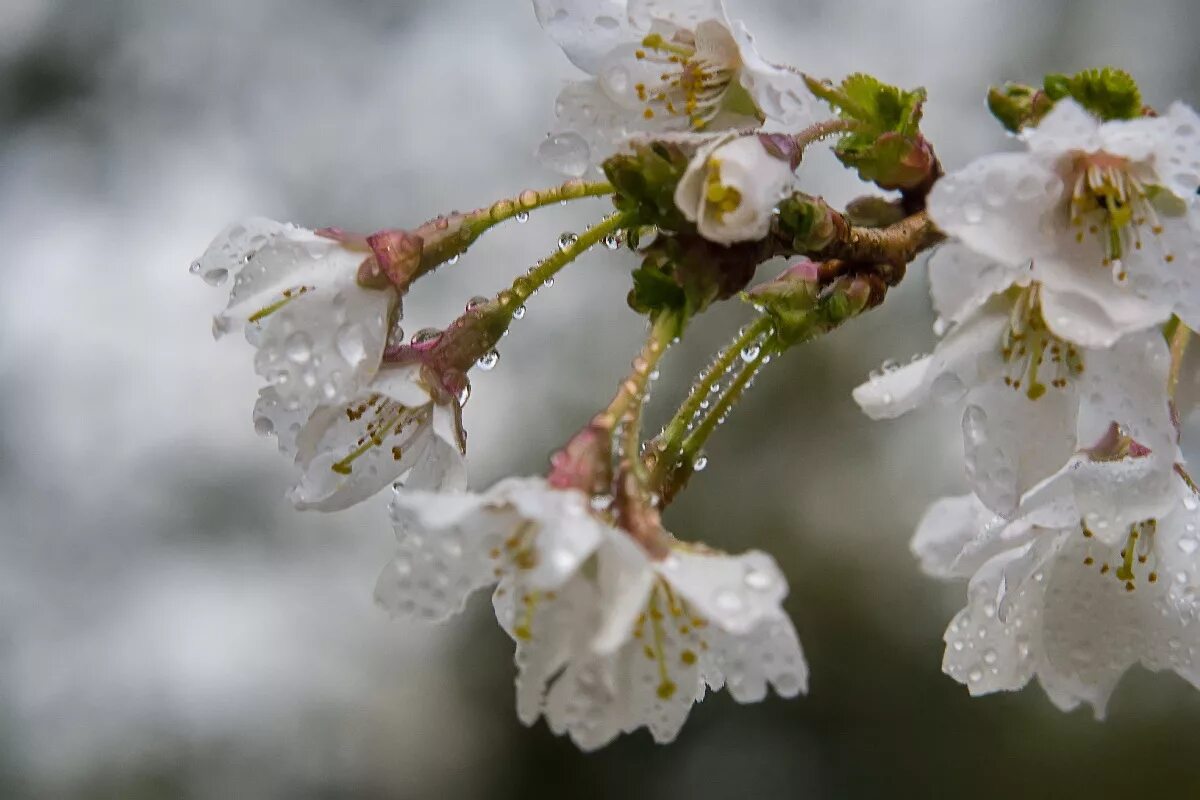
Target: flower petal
(1013, 443)
(1127, 384)
(967, 356)
(1083, 304)
(961, 281)
(948, 526)
(273, 417)
(1177, 157)
(734, 593)
(624, 577)
(779, 93)
(998, 206)
(769, 654)
(586, 30)
(679, 13)
(1068, 126)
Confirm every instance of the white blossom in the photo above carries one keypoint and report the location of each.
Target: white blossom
(608, 639)
(319, 335)
(1032, 397)
(1097, 572)
(661, 65)
(349, 451)
(731, 187)
(1107, 213)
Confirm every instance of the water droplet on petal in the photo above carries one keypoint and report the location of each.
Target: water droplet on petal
(194, 268)
(729, 601)
(350, 345)
(758, 580)
(298, 347)
(215, 277)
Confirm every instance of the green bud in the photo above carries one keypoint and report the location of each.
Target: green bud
(645, 182)
(873, 211)
(807, 222)
(1106, 92)
(1019, 106)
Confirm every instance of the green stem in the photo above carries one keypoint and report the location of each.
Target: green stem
(676, 429)
(523, 287)
(479, 221)
(1179, 339)
(818, 131)
(729, 398)
(631, 398)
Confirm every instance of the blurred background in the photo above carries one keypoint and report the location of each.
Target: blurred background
(170, 627)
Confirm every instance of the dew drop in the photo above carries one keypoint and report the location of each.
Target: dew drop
(759, 580)
(567, 153)
(194, 268)
(488, 361)
(612, 241)
(298, 347)
(700, 463)
(750, 352)
(567, 241)
(972, 213)
(975, 675)
(215, 277)
(452, 260)
(424, 335)
(728, 600)
(349, 341)
(263, 426)
(519, 312)
(522, 217)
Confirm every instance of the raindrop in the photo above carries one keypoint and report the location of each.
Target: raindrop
(519, 312)
(424, 335)
(263, 426)
(194, 268)
(700, 463)
(298, 347)
(728, 600)
(475, 302)
(215, 277)
(522, 217)
(452, 260)
(567, 241)
(349, 341)
(758, 580)
(567, 153)
(972, 213)
(465, 394)
(750, 352)
(488, 361)
(548, 282)
(612, 241)
(1188, 546)
(601, 502)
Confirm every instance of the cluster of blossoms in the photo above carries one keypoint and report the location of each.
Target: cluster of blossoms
(1064, 290)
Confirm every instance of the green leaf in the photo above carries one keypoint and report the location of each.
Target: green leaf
(654, 290)
(1107, 92)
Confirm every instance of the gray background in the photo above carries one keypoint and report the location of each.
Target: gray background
(169, 627)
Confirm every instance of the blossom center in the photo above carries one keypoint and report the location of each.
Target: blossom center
(721, 199)
(692, 84)
(1111, 203)
(1136, 555)
(1027, 344)
(666, 620)
(384, 419)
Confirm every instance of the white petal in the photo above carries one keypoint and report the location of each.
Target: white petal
(967, 356)
(1177, 157)
(232, 248)
(961, 281)
(1002, 206)
(1082, 304)
(1013, 443)
(734, 593)
(680, 13)
(586, 30)
(567, 534)
(1112, 495)
(1068, 126)
(746, 664)
(624, 576)
(325, 345)
(444, 543)
(585, 703)
(1127, 384)
(331, 436)
(690, 191)
(584, 110)
(779, 93)
(1174, 283)
(759, 178)
(1134, 139)
(983, 651)
(948, 526)
(273, 417)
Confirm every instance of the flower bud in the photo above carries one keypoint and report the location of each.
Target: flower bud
(731, 188)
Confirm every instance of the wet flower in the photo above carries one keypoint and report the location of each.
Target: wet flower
(731, 188)
(397, 426)
(608, 639)
(319, 334)
(1107, 212)
(1095, 573)
(660, 65)
(1033, 398)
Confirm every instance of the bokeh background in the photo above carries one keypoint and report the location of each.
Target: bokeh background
(170, 627)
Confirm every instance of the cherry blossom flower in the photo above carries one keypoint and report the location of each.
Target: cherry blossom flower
(349, 451)
(319, 335)
(731, 187)
(1098, 571)
(1033, 398)
(608, 639)
(1107, 212)
(660, 65)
